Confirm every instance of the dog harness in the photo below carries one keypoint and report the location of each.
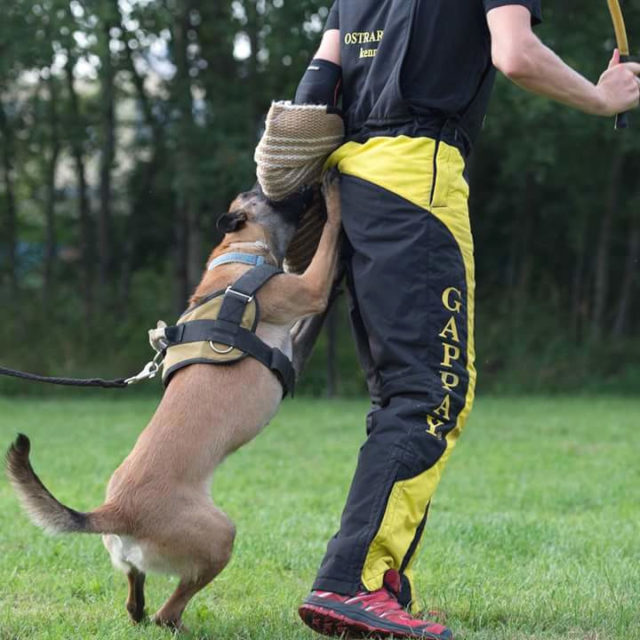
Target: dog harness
(221, 330)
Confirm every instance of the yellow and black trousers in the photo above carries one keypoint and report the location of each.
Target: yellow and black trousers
(410, 274)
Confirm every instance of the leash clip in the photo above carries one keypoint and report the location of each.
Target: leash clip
(150, 370)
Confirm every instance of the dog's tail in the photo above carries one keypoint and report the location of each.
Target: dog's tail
(43, 509)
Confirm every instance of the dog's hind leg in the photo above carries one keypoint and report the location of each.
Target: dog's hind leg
(135, 599)
(120, 551)
(170, 615)
(201, 546)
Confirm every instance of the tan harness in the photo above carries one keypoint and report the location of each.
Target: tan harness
(180, 355)
(221, 330)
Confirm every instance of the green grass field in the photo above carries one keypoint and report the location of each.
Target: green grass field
(534, 531)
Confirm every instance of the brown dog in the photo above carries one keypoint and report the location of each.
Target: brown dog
(158, 514)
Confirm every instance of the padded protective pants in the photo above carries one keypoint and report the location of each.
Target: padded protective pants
(411, 277)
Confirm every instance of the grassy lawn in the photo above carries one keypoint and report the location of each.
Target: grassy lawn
(534, 532)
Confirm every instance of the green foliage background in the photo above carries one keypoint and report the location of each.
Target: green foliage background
(127, 126)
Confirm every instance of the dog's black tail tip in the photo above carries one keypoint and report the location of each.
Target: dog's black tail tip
(22, 445)
(44, 509)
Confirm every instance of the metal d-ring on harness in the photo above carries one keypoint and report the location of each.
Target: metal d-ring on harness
(225, 333)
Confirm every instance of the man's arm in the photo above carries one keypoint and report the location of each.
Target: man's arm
(321, 82)
(524, 59)
(288, 297)
(329, 47)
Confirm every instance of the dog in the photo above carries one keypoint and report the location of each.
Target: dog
(158, 515)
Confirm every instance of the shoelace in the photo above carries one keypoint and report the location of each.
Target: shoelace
(382, 599)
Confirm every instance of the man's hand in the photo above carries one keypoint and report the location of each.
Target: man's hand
(619, 86)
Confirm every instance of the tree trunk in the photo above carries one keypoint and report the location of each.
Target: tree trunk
(601, 281)
(578, 281)
(188, 245)
(50, 198)
(253, 31)
(220, 82)
(84, 207)
(181, 252)
(520, 275)
(106, 158)
(141, 94)
(149, 172)
(10, 222)
(629, 279)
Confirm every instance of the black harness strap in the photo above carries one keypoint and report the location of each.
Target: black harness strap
(227, 329)
(271, 357)
(221, 332)
(240, 293)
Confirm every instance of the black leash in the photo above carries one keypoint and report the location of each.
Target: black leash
(149, 371)
(120, 383)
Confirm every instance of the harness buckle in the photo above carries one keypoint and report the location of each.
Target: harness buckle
(243, 296)
(157, 337)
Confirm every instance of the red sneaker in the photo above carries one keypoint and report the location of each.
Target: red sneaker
(375, 614)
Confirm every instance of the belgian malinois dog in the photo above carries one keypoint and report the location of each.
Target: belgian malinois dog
(158, 514)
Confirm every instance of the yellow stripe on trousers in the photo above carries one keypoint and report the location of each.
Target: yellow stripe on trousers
(404, 166)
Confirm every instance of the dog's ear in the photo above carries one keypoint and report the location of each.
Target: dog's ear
(231, 221)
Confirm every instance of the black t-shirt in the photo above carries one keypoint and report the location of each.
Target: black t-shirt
(421, 66)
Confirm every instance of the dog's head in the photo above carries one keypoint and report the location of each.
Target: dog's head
(252, 216)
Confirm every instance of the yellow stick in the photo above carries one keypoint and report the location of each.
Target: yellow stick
(619, 26)
(622, 121)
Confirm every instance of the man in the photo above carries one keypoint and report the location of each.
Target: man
(416, 77)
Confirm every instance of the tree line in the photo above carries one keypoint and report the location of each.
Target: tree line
(126, 128)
